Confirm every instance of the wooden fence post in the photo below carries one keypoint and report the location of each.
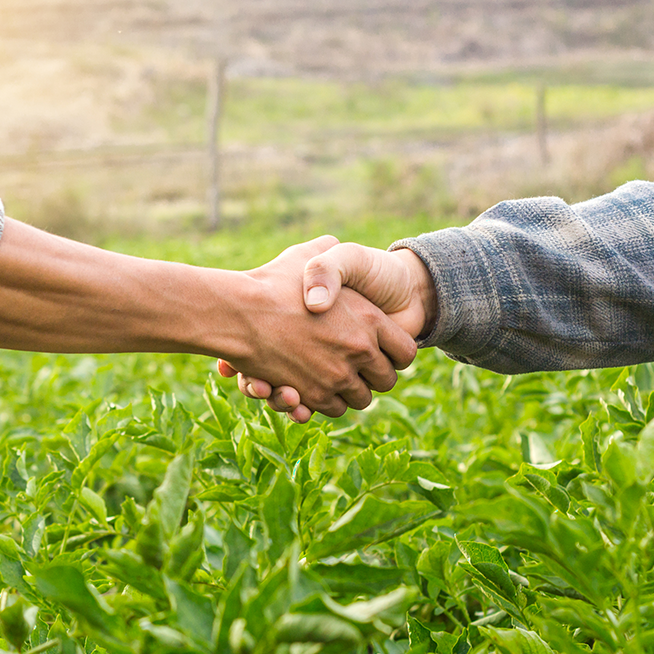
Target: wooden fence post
(215, 103)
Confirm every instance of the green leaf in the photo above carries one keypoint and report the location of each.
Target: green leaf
(132, 512)
(649, 416)
(157, 440)
(17, 621)
(78, 431)
(11, 568)
(95, 504)
(629, 395)
(439, 494)
(131, 569)
(237, 546)
(221, 409)
(66, 586)
(97, 452)
(277, 424)
(33, 531)
(315, 628)
(158, 405)
(516, 641)
(645, 453)
(619, 463)
(369, 464)
(279, 514)
(222, 493)
(418, 633)
(534, 449)
(489, 571)
(350, 481)
(264, 437)
(150, 541)
(422, 469)
(580, 615)
(186, 553)
(451, 644)
(371, 520)
(317, 456)
(590, 440)
(433, 564)
(345, 578)
(545, 483)
(115, 419)
(171, 496)
(390, 608)
(194, 612)
(396, 464)
(181, 424)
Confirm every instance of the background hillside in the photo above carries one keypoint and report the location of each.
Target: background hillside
(332, 110)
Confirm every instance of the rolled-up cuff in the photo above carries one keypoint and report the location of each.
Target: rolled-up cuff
(468, 304)
(2, 218)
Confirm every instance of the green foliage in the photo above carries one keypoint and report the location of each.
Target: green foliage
(464, 512)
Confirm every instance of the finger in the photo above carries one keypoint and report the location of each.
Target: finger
(310, 248)
(379, 374)
(257, 389)
(224, 369)
(346, 264)
(301, 414)
(396, 343)
(284, 399)
(334, 408)
(358, 396)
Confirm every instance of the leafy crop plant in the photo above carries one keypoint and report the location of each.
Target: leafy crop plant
(464, 513)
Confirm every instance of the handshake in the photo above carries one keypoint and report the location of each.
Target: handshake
(330, 323)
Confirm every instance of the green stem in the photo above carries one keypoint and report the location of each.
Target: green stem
(69, 522)
(454, 619)
(43, 647)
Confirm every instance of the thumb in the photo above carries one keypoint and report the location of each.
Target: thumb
(343, 265)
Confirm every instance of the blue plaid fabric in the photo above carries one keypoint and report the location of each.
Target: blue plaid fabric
(538, 284)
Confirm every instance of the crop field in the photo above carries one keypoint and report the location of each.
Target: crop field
(146, 507)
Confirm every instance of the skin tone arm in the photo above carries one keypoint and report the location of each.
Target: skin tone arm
(57, 295)
(397, 282)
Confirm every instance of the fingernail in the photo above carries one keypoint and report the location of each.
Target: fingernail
(250, 390)
(292, 417)
(317, 295)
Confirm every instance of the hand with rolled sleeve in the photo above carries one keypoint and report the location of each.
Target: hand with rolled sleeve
(530, 285)
(57, 295)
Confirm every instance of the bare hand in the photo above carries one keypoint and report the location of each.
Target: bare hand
(333, 359)
(397, 282)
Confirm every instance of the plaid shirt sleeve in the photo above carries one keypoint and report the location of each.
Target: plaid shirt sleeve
(538, 284)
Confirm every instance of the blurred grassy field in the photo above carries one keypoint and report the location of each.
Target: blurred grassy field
(294, 111)
(309, 156)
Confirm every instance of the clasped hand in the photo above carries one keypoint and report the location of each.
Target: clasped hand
(359, 335)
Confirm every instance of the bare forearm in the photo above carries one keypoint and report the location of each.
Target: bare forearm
(57, 295)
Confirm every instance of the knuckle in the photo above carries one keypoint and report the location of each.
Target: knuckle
(386, 383)
(362, 401)
(363, 346)
(318, 266)
(341, 377)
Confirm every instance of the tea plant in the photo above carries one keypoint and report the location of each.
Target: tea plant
(464, 512)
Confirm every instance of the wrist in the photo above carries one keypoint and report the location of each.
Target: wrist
(209, 313)
(423, 292)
